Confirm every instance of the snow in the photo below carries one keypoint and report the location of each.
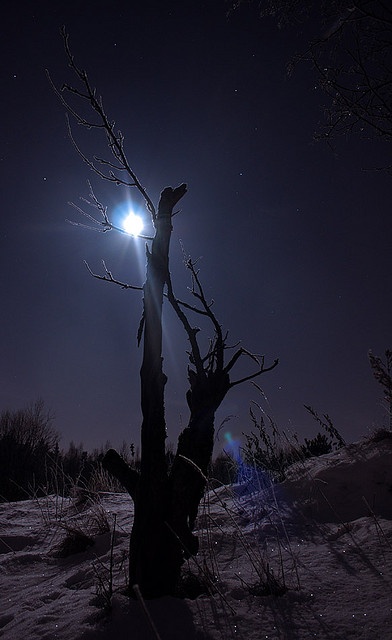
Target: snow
(324, 534)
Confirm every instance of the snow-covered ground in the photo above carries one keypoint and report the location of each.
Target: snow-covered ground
(325, 534)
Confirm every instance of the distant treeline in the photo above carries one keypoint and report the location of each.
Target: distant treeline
(32, 463)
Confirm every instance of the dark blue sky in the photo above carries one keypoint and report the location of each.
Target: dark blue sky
(295, 240)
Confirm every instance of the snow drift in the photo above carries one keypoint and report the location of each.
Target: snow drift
(324, 536)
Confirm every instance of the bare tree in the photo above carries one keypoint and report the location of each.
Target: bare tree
(166, 500)
(352, 56)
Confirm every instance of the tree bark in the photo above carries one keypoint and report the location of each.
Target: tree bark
(194, 452)
(155, 556)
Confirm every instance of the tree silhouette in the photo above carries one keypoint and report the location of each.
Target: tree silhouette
(166, 499)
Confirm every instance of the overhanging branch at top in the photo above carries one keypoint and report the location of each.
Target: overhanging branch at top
(114, 138)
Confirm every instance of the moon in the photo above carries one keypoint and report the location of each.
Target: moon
(133, 224)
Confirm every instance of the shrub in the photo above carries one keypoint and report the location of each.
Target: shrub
(268, 449)
(318, 446)
(224, 469)
(27, 441)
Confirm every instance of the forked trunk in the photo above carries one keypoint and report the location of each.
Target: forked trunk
(166, 505)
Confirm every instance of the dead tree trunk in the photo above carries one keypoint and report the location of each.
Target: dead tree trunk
(155, 557)
(166, 505)
(194, 453)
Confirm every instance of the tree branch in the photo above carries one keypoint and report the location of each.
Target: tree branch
(108, 277)
(105, 224)
(257, 373)
(116, 465)
(114, 139)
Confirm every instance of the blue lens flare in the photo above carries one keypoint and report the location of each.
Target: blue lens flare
(247, 473)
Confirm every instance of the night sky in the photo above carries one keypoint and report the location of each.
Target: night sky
(294, 240)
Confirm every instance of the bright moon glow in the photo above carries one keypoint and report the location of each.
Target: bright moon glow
(133, 224)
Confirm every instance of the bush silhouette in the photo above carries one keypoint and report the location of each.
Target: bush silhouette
(27, 438)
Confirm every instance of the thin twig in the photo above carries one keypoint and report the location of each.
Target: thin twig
(109, 278)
